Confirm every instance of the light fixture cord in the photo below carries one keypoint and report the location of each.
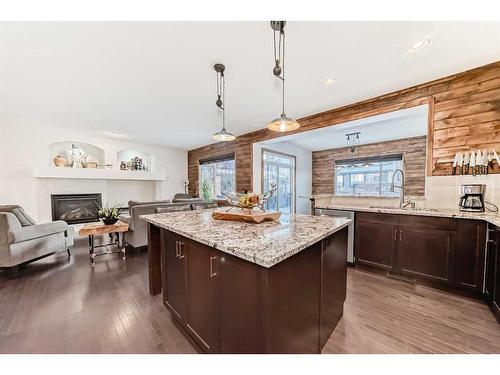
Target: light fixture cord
(223, 96)
(283, 70)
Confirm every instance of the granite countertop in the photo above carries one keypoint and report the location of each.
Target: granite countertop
(265, 244)
(492, 218)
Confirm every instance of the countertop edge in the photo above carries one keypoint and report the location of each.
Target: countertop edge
(242, 255)
(490, 218)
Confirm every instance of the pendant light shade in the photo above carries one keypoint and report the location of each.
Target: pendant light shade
(283, 123)
(223, 135)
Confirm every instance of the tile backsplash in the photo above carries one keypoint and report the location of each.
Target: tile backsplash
(442, 192)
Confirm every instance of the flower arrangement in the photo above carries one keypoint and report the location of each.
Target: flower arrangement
(109, 214)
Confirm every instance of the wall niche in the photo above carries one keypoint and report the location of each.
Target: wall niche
(134, 160)
(76, 154)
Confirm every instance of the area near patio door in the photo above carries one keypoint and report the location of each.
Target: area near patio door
(279, 168)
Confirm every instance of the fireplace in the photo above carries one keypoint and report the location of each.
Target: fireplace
(75, 208)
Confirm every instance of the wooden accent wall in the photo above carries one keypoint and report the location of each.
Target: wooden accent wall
(413, 149)
(464, 114)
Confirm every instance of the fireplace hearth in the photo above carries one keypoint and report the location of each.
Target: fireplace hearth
(76, 208)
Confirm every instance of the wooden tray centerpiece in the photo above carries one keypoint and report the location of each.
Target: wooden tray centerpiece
(247, 208)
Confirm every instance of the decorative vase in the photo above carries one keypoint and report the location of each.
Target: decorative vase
(59, 161)
(109, 220)
(75, 156)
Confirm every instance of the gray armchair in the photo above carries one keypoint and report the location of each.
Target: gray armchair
(23, 241)
(137, 234)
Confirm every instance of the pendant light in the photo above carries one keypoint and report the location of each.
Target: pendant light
(222, 135)
(282, 123)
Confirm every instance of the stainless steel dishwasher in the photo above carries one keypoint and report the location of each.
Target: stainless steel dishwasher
(350, 235)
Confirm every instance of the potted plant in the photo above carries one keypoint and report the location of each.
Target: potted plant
(109, 214)
(206, 189)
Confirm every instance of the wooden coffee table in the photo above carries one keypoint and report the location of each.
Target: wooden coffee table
(98, 229)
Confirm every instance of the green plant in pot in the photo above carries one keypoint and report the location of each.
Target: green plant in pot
(109, 214)
(206, 189)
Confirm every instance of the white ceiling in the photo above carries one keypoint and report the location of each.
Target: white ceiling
(154, 83)
(402, 124)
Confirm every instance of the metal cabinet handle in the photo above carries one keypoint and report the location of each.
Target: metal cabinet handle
(181, 244)
(212, 273)
(400, 235)
(395, 234)
(177, 249)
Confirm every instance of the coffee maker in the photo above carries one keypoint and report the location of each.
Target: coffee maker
(472, 199)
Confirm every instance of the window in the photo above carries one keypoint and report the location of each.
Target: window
(279, 169)
(368, 176)
(217, 176)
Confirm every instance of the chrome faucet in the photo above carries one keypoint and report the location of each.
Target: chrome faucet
(402, 203)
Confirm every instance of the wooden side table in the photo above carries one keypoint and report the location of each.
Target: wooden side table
(97, 229)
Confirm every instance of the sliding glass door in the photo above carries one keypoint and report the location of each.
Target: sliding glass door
(279, 168)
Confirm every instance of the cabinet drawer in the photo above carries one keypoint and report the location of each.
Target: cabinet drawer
(427, 222)
(377, 218)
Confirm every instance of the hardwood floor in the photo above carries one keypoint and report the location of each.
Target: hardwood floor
(384, 315)
(61, 305)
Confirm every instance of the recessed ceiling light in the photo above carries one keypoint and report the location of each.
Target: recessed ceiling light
(329, 81)
(114, 134)
(420, 45)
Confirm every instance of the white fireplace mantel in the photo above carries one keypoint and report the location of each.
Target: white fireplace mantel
(96, 174)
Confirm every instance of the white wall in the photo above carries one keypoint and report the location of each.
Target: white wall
(26, 145)
(303, 172)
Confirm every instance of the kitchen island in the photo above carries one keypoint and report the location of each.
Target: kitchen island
(274, 287)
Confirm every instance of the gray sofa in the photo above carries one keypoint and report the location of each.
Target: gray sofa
(23, 241)
(137, 235)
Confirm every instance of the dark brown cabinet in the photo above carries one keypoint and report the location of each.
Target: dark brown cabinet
(491, 260)
(492, 276)
(202, 295)
(175, 283)
(426, 253)
(469, 254)
(333, 284)
(442, 250)
(375, 240)
(229, 305)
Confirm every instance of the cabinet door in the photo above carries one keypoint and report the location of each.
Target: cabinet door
(333, 283)
(491, 260)
(469, 254)
(375, 243)
(174, 282)
(496, 290)
(203, 301)
(491, 255)
(426, 253)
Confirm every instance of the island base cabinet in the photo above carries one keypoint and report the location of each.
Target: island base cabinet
(235, 306)
(333, 284)
(174, 280)
(202, 296)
